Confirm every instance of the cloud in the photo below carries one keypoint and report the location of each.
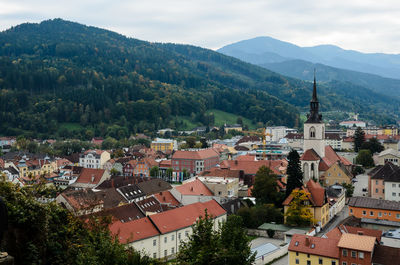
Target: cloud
(364, 25)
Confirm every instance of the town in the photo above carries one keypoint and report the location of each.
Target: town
(318, 194)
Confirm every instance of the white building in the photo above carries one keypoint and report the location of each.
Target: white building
(392, 186)
(94, 158)
(349, 124)
(278, 132)
(159, 235)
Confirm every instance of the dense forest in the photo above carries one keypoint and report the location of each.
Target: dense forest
(105, 84)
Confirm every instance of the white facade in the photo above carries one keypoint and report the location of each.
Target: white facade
(314, 137)
(94, 159)
(392, 191)
(336, 144)
(310, 169)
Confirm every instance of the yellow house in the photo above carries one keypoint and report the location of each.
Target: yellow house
(35, 168)
(336, 174)
(163, 145)
(317, 199)
(306, 250)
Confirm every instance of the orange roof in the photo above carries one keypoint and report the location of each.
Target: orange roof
(97, 151)
(166, 163)
(310, 155)
(167, 197)
(251, 167)
(316, 194)
(357, 242)
(221, 172)
(63, 162)
(323, 166)
(341, 229)
(199, 154)
(246, 158)
(319, 246)
(195, 187)
(185, 216)
(87, 174)
(133, 230)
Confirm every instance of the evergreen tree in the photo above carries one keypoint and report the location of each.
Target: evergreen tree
(373, 145)
(294, 173)
(265, 187)
(359, 139)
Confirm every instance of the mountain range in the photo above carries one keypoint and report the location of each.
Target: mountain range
(64, 79)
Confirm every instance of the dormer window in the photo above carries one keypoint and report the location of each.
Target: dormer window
(296, 243)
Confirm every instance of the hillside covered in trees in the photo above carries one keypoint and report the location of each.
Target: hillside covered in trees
(101, 83)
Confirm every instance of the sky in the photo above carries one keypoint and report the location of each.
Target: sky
(363, 25)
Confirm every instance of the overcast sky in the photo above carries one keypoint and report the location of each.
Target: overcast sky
(363, 25)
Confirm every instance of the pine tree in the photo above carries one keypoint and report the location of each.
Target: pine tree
(294, 173)
(359, 139)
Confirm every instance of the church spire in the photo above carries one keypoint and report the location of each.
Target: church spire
(314, 116)
(314, 94)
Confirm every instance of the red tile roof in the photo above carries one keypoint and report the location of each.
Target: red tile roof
(251, 167)
(341, 229)
(310, 155)
(326, 247)
(323, 166)
(195, 187)
(166, 163)
(185, 216)
(246, 158)
(97, 151)
(166, 197)
(221, 172)
(358, 242)
(87, 174)
(134, 230)
(200, 154)
(316, 194)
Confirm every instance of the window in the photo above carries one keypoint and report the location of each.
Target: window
(360, 255)
(371, 213)
(376, 182)
(393, 185)
(165, 253)
(312, 132)
(351, 210)
(154, 255)
(172, 237)
(154, 242)
(297, 261)
(390, 214)
(179, 236)
(364, 212)
(186, 233)
(308, 262)
(344, 263)
(380, 214)
(333, 262)
(172, 250)
(394, 194)
(319, 261)
(354, 254)
(165, 239)
(308, 255)
(344, 252)
(297, 253)
(376, 190)
(397, 216)
(296, 243)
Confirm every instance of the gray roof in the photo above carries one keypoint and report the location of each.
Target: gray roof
(263, 250)
(364, 202)
(383, 172)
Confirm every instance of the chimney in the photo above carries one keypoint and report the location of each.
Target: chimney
(236, 162)
(112, 183)
(308, 241)
(92, 178)
(191, 188)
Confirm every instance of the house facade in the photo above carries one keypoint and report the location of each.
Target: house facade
(364, 207)
(94, 158)
(194, 161)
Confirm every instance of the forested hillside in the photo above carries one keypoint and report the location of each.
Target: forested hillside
(60, 73)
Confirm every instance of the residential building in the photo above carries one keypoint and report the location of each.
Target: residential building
(392, 186)
(90, 178)
(377, 178)
(388, 155)
(336, 174)
(348, 143)
(318, 201)
(338, 231)
(278, 132)
(164, 145)
(363, 207)
(356, 249)
(385, 255)
(31, 169)
(308, 250)
(131, 193)
(159, 235)
(336, 198)
(94, 158)
(234, 127)
(221, 187)
(194, 161)
(350, 124)
(153, 186)
(334, 140)
(295, 140)
(191, 192)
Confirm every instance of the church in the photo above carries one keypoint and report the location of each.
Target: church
(317, 157)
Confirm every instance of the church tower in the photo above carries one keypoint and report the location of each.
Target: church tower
(314, 128)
